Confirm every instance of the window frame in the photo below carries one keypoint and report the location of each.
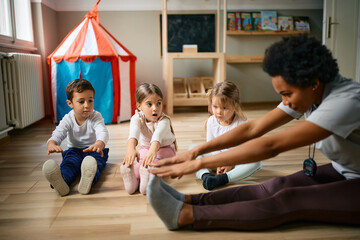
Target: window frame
(11, 42)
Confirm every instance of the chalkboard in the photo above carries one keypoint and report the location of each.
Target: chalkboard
(190, 29)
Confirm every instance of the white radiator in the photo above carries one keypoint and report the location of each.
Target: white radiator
(23, 89)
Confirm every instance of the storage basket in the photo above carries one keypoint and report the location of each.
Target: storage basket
(195, 86)
(208, 82)
(179, 88)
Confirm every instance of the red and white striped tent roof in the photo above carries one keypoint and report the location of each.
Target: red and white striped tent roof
(90, 40)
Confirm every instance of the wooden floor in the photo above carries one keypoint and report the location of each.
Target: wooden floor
(30, 209)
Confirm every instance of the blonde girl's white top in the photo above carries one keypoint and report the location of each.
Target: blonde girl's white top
(214, 129)
(147, 132)
(92, 130)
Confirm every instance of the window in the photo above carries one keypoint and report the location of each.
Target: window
(5, 16)
(16, 30)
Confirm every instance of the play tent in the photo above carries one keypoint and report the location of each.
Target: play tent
(89, 51)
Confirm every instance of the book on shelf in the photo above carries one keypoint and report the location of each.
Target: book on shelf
(256, 20)
(269, 20)
(231, 21)
(246, 22)
(238, 21)
(301, 23)
(285, 23)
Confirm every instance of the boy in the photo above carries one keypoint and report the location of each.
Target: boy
(86, 139)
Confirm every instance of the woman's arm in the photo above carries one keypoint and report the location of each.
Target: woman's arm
(254, 150)
(236, 136)
(246, 131)
(266, 147)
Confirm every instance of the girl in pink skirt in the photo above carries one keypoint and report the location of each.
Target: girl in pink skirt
(151, 129)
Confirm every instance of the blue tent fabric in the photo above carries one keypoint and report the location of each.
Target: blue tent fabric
(98, 73)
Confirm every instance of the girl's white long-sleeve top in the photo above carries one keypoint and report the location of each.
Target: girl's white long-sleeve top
(92, 130)
(147, 132)
(214, 129)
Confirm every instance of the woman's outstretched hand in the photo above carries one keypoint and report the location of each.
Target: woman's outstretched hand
(175, 170)
(183, 157)
(176, 166)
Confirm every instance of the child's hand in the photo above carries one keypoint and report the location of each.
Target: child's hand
(149, 158)
(151, 154)
(130, 157)
(53, 147)
(225, 169)
(97, 147)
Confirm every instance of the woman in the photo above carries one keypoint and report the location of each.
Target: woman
(306, 76)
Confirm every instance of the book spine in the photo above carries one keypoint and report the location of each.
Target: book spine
(231, 23)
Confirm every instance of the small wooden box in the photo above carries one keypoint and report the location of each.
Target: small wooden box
(190, 48)
(208, 82)
(180, 88)
(195, 87)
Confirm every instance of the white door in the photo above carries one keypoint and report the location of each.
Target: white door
(341, 35)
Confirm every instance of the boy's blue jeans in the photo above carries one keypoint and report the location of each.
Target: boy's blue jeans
(71, 164)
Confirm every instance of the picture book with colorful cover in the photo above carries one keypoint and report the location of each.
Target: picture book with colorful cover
(285, 23)
(238, 21)
(269, 20)
(231, 21)
(302, 23)
(246, 22)
(256, 20)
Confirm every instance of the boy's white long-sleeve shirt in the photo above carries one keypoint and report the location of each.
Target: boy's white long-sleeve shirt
(147, 132)
(92, 130)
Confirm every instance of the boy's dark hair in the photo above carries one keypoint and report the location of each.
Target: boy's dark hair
(300, 60)
(79, 85)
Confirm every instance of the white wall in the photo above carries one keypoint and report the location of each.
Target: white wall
(139, 32)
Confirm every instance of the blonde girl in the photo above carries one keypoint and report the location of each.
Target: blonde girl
(226, 114)
(151, 129)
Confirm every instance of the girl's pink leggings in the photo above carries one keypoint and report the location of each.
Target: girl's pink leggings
(163, 152)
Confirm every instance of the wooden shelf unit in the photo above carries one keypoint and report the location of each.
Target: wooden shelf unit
(245, 59)
(255, 58)
(219, 58)
(218, 66)
(258, 33)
